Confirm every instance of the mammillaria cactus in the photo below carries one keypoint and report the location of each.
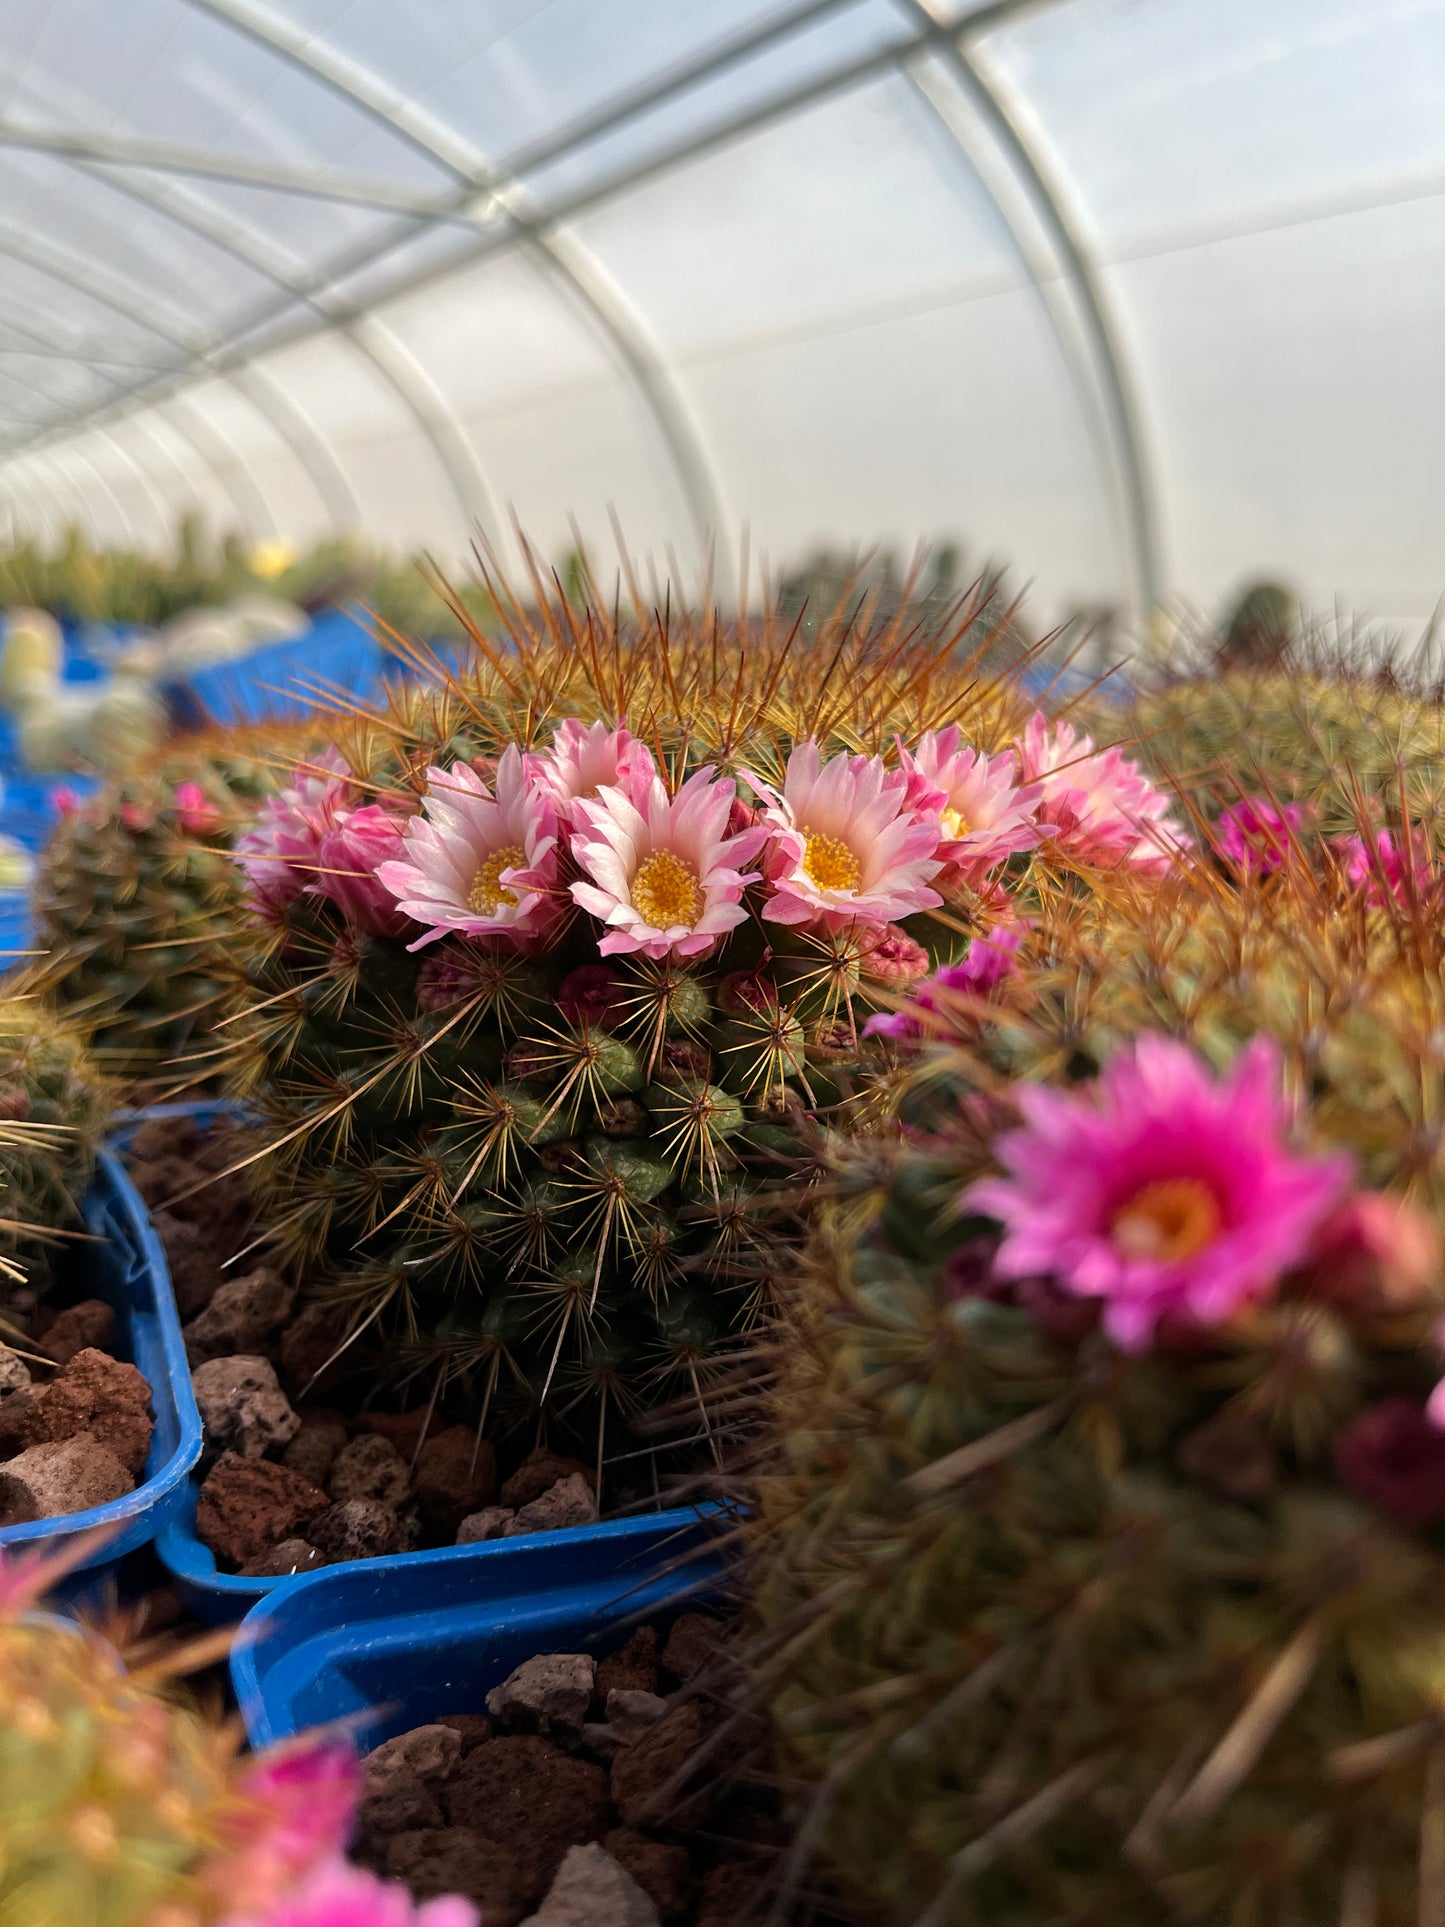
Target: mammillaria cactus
(54, 1106)
(121, 1809)
(542, 1003)
(1099, 1540)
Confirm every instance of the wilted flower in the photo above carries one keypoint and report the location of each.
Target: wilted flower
(1394, 1457)
(348, 858)
(480, 864)
(986, 815)
(989, 960)
(891, 956)
(661, 871)
(278, 853)
(846, 848)
(1161, 1189)
(1101, 806)
(584, 759)
(591, 995)
(196, 814)
(1256, 834)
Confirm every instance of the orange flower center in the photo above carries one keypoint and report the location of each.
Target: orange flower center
(486, 893)
(828, 862)
(666, 891)
(1171, 1219)
(956, 825)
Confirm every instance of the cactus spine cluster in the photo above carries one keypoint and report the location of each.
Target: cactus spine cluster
(54, 1107)
(517, 1169)
(1072, 1628)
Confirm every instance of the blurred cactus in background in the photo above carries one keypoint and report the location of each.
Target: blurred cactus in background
(1097, 1540)
(54, 1108)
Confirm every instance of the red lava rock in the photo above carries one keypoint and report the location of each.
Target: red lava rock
(457, 1860)
(548, 1694)
(291, 1556)
(633, 1668)
(660, 1868)
(592, 1890)
(651, 1785)
(65, 1475)
(475, 1728)
(567, 1503)
(242, 1315)
(456, 1474)
(98, 1398)
(370, 1467)
(431, 1752)
(17, 1502)
(403, 1429)
(90, 1324)
(306, 1351)
(243, 1407)
(357, 1529)
(533, 1798)
(490, 1523)
(397, 1803)
(695, 1642)
(732, 1893)
(247, 1506)
(314, 1448)
(538, 1473)
(161, 1137)
(191, 1259)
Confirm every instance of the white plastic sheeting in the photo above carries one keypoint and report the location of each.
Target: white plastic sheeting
(1145, 296)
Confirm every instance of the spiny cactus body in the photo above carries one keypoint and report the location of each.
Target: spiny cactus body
(1099, 1542)
(57, 1104)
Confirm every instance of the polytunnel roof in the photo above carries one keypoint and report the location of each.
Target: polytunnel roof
(1141, 296)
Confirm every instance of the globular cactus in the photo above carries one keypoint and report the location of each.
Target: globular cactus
(540, 1065)
(54, 1107)
(1097, 1537)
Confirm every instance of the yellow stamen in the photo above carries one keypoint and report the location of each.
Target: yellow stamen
(828, 862)
(486, 893)
(956, 826)
(1171, 1219)
(666, 891)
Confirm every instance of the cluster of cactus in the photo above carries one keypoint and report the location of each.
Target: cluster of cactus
(1083, 1607)
(122, 1807)
(118, 585)
(136, 891)
(517, 1172)
(54, 1107)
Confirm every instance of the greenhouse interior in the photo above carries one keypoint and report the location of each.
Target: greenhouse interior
(722, 890)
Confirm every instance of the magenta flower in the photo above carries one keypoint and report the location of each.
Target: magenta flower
(989, 960)
(279, 851)
(480, 864)
(846, 846)
(66, 800)
(583, 760)
(1160, 1190)
(1256, 834)
(348, 858)
(1100, 805)
(195, 812)
(661, 871)
(338, 1895)
(300, 1804)
(987, 815)
(1386, 865)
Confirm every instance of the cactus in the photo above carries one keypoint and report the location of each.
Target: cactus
(1096, 1538)
(539, 1135)
(55, 1105)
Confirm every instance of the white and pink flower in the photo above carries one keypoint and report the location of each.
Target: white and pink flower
(662, 871)
(479, 863)
(846, 845)
(987, 815)
(1101, 806)
(348, 861)
(584, 759)
(279, 852)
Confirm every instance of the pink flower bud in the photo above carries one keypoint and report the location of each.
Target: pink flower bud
(1373, 1253)
(195, 812)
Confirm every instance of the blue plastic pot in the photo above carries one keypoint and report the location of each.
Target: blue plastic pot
(393, 1643)
(128, 1270)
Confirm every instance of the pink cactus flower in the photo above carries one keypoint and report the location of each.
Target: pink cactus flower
(987, 815)
(279, 852)
(66, 800)
(134, 816)
(196, 814)
(661, 871)
(1100, 805)
(585, 759)
(300, 1804)
(1256, 834)
(989, 961)
(846, 846)
(338, 1895)
(478, 863)
(1161, 1190)
(348, 858)
(1387, 865)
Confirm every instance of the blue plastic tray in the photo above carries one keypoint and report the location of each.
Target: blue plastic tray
(393, 1643)
(336, 656)
(128, 1270)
